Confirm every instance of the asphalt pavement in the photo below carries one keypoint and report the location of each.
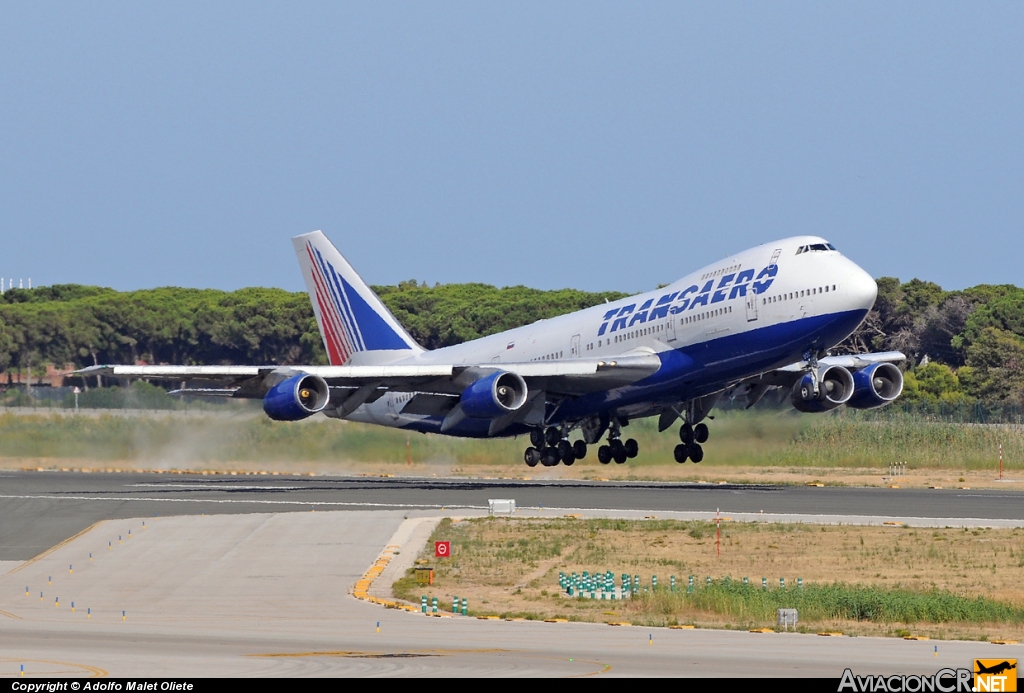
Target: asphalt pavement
(40, 509)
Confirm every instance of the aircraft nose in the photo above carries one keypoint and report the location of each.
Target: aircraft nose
(861, 289)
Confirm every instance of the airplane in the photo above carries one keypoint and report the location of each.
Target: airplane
(762, 319)
(995, 669)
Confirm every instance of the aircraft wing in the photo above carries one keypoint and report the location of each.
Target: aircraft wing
(566, 377)
(755, 387)
(854, 361)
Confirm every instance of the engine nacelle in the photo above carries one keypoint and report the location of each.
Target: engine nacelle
(494, 396)
(296, 398)
(876, 386)
(835, 387)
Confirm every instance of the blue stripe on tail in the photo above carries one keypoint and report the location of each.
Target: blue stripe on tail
(367, 331)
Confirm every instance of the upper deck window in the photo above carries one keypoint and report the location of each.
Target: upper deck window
(815, 247)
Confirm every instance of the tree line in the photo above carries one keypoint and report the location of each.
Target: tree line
(963, 346)
(87, 325)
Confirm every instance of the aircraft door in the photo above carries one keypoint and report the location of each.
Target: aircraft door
(574, 347)
(670, 328)
(752, 305)
(752, 299)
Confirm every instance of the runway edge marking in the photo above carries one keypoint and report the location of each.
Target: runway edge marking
(405, 531)
(50, 550)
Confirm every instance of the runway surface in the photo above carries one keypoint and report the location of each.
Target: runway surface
(269, 594)
(40, 509)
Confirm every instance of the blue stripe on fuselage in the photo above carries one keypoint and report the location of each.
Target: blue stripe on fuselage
(698, 369)
(693, 370)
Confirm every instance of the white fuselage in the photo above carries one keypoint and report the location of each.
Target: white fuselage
(738, 317)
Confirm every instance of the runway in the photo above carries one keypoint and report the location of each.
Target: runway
(40, 509)
(269, 595)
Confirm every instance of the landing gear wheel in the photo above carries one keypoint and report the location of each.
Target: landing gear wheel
(686, 434)
(565, 452)
(700, 433)
(618, 451)
(579, 448)
(537, 438)
(604, 454)
(681, 452)
(549, 457)
(552, 436)
(532, 457)
(632, 448)
(696, 453)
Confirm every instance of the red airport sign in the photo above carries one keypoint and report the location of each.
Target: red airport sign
(442, 549)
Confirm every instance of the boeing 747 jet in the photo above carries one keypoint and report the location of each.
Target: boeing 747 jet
(764, 318)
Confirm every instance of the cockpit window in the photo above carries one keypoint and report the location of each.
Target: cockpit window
(815, 247)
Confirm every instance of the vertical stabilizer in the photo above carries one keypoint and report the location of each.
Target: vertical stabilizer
(352, 319)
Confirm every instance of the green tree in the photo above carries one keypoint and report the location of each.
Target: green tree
(995, 373)
(933, 383)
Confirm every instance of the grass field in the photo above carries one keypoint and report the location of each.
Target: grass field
(860, 580)
(770, 442)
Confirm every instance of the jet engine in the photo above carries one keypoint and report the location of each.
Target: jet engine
(494, 396)
(876, 386)
(296, 398)
(835, 387)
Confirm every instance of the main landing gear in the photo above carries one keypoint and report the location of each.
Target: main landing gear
(616, 449)
(551, 446)
(689, 448)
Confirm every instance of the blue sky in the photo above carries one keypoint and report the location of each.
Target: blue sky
(590, 145)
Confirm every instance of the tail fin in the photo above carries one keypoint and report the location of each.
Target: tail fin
(350, 316)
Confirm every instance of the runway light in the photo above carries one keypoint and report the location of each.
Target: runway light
(90, 556)
(123, 616)
(72, 607)
(378, 626)
(650, 638)
(56, 601)
(110, 545)
(88, 612)
(49, 580)
(22, 669)
(70, 569)
(40, 596)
